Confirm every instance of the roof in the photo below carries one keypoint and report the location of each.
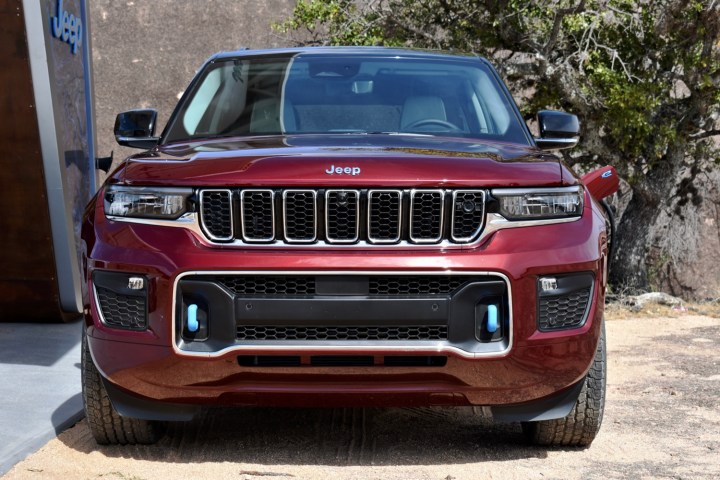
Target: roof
(353, 50)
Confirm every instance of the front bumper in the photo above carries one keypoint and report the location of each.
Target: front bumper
(527, 366)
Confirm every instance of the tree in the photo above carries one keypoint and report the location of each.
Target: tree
(643, 76)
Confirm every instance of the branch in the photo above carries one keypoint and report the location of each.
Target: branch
(414, 30)
(557, 23)
(705, 134)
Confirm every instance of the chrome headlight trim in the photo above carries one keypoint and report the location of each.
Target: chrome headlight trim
(540, 198)
(138, 202)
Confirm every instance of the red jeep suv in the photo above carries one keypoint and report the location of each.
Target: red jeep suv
(346, 227)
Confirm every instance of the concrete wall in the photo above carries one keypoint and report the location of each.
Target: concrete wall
(145, 52)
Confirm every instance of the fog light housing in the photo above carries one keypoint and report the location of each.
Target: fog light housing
(121, 299)
(564, 301)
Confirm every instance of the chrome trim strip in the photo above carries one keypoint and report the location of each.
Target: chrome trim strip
(506, 192)
(556, 143)
(242, 215)
(315, 222)
(357, 217)
(98, 307)
(349, 348)
(442, 214)
(493, 223)
(379, 241)
(232, 216)
(482, 216)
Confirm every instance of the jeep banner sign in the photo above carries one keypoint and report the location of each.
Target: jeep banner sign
(48, 118)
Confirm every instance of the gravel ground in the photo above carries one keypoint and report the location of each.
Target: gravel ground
(662, 421)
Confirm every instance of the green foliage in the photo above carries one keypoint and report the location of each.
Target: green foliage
(646, 71)
(341, 19)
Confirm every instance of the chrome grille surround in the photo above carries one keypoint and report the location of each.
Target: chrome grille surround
(380, 205)
(216, 214)
(426, 215)
(379, 217)
(464, 218)
(295, 204)
(251, 221)
(336, 206)
(316, 349)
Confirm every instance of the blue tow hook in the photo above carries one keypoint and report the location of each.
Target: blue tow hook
(192, 323)
(492, 318)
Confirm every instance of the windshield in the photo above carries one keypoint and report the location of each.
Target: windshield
(341, 94)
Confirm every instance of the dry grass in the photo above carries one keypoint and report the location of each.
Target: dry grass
(618, 310)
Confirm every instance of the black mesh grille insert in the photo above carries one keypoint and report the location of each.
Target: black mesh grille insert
(427, 214)
(257, 215)
(216, 213)
(468, 210)
(122, 311)
(379, 285)
(558, 312)
(342, 215)
(300, 215)
(415, 284)
(384, 216)
(268, 285)
(257, 332)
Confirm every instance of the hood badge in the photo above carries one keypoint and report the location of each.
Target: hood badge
(333, 170)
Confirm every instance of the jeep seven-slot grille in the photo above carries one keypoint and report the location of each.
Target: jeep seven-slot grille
(342, 216)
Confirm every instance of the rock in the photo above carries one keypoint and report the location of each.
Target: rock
(638, 302)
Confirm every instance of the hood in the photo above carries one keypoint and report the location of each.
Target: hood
(373, 160)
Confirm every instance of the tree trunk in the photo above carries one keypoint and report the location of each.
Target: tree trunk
(668, 238)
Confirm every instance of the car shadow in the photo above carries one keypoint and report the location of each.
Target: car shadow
(329, 436)
(38, 344)
(67, 414)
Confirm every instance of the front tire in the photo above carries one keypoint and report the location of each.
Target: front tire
(581, 426)
(106, 424)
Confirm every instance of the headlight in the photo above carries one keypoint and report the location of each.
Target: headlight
(539, 203)
(146, 202)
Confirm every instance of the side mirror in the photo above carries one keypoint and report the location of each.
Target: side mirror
(557, 130)
(136, 128)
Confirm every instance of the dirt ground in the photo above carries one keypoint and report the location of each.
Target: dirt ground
(662, 421)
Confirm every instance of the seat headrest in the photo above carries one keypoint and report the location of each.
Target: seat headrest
(418, 108)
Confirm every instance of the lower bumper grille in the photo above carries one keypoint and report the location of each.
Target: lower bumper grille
(318, 310)
(375, 285)
(258, 332)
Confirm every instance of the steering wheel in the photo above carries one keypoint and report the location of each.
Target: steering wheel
(433, 121)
